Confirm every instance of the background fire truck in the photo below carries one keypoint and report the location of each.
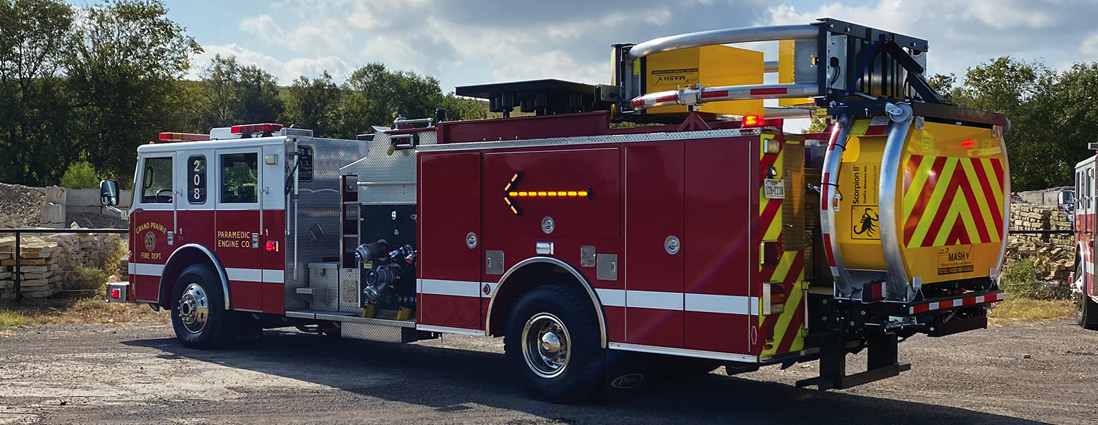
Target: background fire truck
(705, 237)
(1083, 291)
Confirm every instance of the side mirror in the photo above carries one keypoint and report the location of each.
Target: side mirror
(108, 193)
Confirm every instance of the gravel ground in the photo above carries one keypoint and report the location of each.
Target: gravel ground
(1024, 373)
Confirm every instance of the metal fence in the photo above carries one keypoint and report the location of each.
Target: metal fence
(17, 276)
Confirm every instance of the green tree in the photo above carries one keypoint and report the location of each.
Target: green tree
(35, 115)
(239, 94)
(314, 104)
(464, 108)
(80, 175)
(123, 65)
(1023, 92)
(376, 96)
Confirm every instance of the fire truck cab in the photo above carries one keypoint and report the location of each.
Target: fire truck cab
(702, 234)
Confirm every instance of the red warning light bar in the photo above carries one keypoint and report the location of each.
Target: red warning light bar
(183, 137)
(255, 128)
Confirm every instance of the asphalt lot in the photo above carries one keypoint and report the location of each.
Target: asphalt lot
(1023, 373)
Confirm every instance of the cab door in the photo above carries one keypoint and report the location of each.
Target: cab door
(238, 223)
(194, 199)
(152, 222)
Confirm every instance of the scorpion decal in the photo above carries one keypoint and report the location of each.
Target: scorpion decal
(868, 225)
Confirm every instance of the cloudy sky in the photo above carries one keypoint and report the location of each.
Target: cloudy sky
(482, 41)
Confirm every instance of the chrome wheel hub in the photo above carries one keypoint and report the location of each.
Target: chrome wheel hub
(546, 345)
(194, 308)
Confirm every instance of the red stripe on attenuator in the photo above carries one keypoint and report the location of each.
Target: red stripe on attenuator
(957, 302)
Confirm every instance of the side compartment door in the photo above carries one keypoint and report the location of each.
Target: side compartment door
(152, 219)
(238, 225)
(449, 266)
(653, 240)
(719, 249)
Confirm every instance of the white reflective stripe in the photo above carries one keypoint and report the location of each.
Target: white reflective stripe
(654, 300)
(611, 297)
(130, 268)
(980, 299)
(454, 288)
(491, 289)
(933, 306)
(727, 304)
(274, 276)
(148, 269)
(245, 275)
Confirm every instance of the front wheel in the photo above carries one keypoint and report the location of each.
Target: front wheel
(553, 344)
(198, 309)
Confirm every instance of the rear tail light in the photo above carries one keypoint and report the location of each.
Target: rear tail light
(272, 246)
(873, 291)
(116, 293)
(774, 297)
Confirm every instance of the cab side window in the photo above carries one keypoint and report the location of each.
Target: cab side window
(156, 182)
(239, 178)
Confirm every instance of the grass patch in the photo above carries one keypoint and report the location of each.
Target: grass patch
(1019, 308)
(1020, 280)
(15, 319)
(63, 309)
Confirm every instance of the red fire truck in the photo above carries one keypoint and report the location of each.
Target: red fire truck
(1083, 291)
(704, 234)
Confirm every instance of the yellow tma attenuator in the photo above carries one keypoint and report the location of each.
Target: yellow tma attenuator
(710, 66)
(949, 200)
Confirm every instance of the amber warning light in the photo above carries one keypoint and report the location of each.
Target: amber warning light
(510, 192)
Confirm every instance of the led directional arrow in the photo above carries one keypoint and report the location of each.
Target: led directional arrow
(511, 193)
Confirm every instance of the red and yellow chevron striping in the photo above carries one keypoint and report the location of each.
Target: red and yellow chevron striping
(780, 333)
(951, 200)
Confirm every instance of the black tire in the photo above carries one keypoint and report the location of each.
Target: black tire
(573, 369)
(1086, 312)
(214, 329)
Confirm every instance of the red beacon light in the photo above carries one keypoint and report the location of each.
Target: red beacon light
(266, 129)
(183, 137)
(755, 121)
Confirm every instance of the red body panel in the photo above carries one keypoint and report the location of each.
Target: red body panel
(233, 246)
(720, 205)
(653, 212)
(449, 201)
(274, 230)
(704, 192)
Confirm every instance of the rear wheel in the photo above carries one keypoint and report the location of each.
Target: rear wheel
(553, 344)
(198, 309)
(1086, 310)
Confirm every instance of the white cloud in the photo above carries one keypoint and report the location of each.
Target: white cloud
(284, 70)
(1089, 47)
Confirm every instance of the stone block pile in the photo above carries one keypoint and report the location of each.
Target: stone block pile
(47, 261)
(1038, 217)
